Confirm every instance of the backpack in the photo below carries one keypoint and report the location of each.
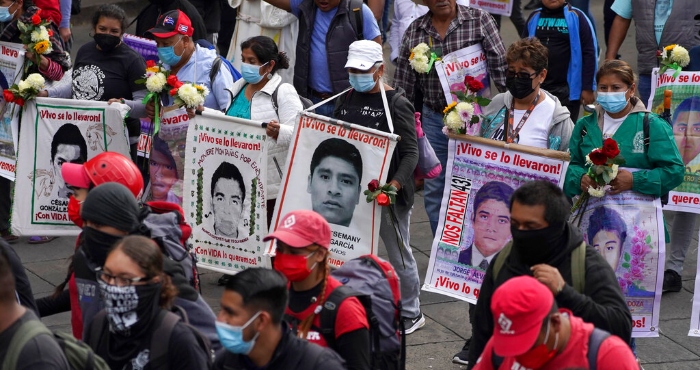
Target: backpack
(375, 284)
(357, 22)
(79, 355)
(578, 265)
(216, 65)
(305, 102)
(594, 341)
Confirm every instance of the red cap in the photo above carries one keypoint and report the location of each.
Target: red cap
(302, 228)
(519, 307)
(172, 23)
(102, 168)
(74, 174)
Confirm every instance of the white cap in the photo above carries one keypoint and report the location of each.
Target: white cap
(363, 54)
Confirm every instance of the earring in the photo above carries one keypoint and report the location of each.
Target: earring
(269, 76)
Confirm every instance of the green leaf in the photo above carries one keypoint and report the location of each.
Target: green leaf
(21, 26)
(626, 265)
(606, 177)
(392, 198)
(648, 239)
(140, 81)
(475, 119)
(627, 257)
(482, 101)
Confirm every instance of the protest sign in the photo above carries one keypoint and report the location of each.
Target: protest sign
(628, 231)
(474, 220)
(11, 62)
(496, 7)
(57, 131)
(455, 66)
(685, 111)
(329, 166)
(695, 316)
(225, 178)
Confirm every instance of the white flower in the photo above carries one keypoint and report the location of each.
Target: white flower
(156, 82)
(465, 110)
(596, 192)
(421, 48)
(40, 35)
(588, 161)
(23, 86)
(613, 175)
(36, 81)
(664, 54)
(190, 95)
(453, 121)
(420, 63)
(680, 55)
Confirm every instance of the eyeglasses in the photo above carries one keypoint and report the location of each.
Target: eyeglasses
(521, 75)
(120, 281)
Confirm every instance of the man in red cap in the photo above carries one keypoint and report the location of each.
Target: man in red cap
(530, 332)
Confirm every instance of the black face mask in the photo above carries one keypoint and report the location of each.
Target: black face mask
(97, 244)
(538, 246)
(107, 42)
(519, 87)
(129, 307)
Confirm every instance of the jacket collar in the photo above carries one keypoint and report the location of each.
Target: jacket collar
(463, 14)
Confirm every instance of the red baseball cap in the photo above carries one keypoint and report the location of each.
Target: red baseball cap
(302, 228)
(519, 307)
(172, 23)
(75, 175)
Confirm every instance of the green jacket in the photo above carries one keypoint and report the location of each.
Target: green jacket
(660, 164)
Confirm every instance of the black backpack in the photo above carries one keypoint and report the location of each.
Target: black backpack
(305, 102)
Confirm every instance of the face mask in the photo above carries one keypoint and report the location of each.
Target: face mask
(540, 355)
(5, 15)
(107, 42)
(167, 54)
(98, 244)
(613, 102)
(362, 82)
(519, 87)
(231, 337)
(537, 246)
(294, 267)
(74, 211)
(251, 73)
(127, 305)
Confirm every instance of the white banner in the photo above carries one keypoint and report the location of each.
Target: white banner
(455, 66)
(225, 178)
(56, 131)
(11, 62)
(329, 166)
(497, 7)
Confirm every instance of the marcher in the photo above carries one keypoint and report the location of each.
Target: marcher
(516, 16)
(448, 29)
(210, 11)
(23, 288)
(363, 105)
(302, 244)
(531, 331)
(148, 17)
(251, 327)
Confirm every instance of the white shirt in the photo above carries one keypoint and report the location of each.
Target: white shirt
(477, 257)
(610, 125)
(535, 131)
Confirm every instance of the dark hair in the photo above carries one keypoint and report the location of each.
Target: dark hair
(690, 104)
(7, 279)
(162, 147)
(529, 52)
(69, 134)
(146, 253)
(606, 219)
(266, 50)
(227, 171)
(262, 290)
(113, 12)
(540, 192)
(617, 67)
(495, 190)
(340, 149)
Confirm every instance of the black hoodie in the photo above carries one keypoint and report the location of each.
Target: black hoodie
(602, 305)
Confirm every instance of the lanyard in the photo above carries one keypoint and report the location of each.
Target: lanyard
(511, 134)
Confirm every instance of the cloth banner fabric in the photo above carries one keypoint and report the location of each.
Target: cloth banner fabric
(496, 7)
(474, 220)
(57, 131)
(627, 229)
(225, 200)
(695, 316)
(11, 62)
(685, 110)
(329, 165)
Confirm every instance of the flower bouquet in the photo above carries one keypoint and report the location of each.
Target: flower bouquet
(26, 89)
(422, 58)
(462, 113)
(187, 95)
(385, 195)
(156, 81)
(603, 164)
(673, 57)
(36, 36)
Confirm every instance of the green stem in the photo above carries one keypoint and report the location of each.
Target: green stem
(399, 237)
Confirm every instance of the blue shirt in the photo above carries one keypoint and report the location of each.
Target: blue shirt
(319, 76)
(623, 8)
(197, 69)
(241, 106)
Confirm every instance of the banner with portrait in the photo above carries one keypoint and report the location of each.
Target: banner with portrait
(54, 132)
(474, 223)
(495, 7)
(11, 62)
(627, 229)
(695, 316)
(224, 199)
(329, 165)
(685, 118)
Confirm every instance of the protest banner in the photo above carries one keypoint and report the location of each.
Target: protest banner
(496, 7)
(225, 199)
(628, 231)
(329, 165)
(695, 316)
(11, 62)
(474, 222)
(53, 132)
(685, 110)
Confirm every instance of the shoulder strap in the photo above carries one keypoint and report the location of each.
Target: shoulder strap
(594, 341)
(496, 360)
(500, 260)
(578, 267)
(215, 66)
(160, 339)
(356, 8)
(646, 131)
(274, 100)
(97, 327)
(26, 332)
(329, 313)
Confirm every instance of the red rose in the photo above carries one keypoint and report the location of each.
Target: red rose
(610, 148)
(475, 85)
(50, 32)
(174, 81)
(658, 53)
(150, 63)
(383, 200)
(598, 157)
(373, 185)
(36, 19)
(19, 101)
(468, 79)
(173, 91)
(8, 96)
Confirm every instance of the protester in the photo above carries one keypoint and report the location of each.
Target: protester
(137, 295)
(227, 26)
(541, 247)
(302, 249)
(148, 17)
(363, 105)
(252, 330)
(531, 331)
(449, 29)
(23, 288)
(326, 30)
(516, 16)
(40, 352)
(572, 48)
(210, 11)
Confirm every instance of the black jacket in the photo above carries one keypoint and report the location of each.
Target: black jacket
(22, 286)
(291, 353)
(602, 305)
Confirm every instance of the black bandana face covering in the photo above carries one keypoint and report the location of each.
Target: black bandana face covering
(537, 246)
(128, 305)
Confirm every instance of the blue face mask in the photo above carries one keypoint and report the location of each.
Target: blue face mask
(251, 73)
(167, 54)
(362, 82)
(231, 337)
(5, 15)
(613, 102)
